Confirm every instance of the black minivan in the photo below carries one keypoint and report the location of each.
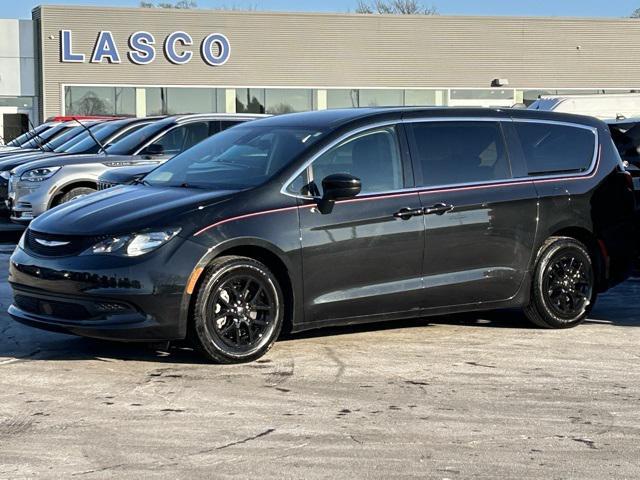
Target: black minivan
(338, 217)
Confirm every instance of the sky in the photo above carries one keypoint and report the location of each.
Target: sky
(572, 8)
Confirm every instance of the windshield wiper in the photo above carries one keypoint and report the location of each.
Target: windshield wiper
(36, 136)
(100, 146)
(141, 181)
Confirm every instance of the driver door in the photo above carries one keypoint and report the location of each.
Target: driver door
(362, 258)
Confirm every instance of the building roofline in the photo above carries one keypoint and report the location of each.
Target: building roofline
(274, 13)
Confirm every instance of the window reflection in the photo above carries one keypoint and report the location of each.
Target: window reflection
(100, 100)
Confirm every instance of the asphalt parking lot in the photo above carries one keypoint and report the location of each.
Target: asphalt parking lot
(476, 396)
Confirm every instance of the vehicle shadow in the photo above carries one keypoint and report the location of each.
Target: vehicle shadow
(620, 307)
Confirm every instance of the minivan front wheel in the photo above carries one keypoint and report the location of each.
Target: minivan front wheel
(563, 290)
(239, 310)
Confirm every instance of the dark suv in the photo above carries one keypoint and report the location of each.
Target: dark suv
(338, 217)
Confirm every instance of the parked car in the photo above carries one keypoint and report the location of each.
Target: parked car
(337, 217)
(603, 106)
(25, 137)
(123, 176)
(39, 140)
(36, 186)
(54, 147)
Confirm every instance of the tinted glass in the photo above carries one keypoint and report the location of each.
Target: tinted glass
(170, 143)
(381, 98)
(195, 133)
(280, 100)
(373, 157)
(459, 152)
(25, 137)
(130, 144)
(550, 148)
(83, 138)
(342, 98)
(46, 136)
(173, 101)
(237, 158)
(250, 100)
(81, 100)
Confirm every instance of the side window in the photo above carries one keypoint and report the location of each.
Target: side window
(224, 124)
(169, 144)
(551, 148)
(372, 156)
(449, 153)
(195, 133)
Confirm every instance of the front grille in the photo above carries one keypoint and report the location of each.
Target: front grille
(105, 185)
(51, 308)
(57, 245)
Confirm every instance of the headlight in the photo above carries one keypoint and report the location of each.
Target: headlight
(5, 174)
(39, 174)
(133, 245)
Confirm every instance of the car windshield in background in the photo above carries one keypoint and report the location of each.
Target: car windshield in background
(25, 137)
(132, 143)
(45, 136)
(70, 137)
(241, 157)
(76, 138)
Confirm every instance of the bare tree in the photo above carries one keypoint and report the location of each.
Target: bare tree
(395, 7)
(636, 13)
(180, 4)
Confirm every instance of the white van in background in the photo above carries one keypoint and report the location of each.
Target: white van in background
(605, 106)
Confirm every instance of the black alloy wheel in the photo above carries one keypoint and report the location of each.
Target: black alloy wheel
(239, 310)
(567, 285)
(563, 289)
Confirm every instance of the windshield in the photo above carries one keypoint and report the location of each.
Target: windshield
(44, 137)
(84, 143)
(70, 137)
(132, 143)
(241, 157)
(25, 137)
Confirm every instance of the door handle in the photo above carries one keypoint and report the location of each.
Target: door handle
(407, 213)
(438, 209)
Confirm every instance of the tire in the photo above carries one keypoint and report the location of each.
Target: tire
(75, 193)
(563, 289)
(239, 311)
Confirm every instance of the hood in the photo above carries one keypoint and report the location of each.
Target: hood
(127, 209)
(62, 160)
(126, 175)
(13, 161)
(16, 151)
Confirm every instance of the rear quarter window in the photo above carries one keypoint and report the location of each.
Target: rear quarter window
(551, 148)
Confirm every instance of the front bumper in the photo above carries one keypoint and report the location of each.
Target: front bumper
(107, 297)
(27, 201)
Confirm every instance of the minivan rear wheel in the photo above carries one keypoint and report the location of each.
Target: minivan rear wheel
(563, 290)
(239, 311)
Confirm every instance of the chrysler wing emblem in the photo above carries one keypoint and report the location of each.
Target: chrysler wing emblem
(51, 243)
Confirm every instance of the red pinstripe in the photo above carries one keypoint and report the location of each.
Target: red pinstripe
(406, 194)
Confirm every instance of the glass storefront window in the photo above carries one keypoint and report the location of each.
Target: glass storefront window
(342, 98)
(482, 94)
(426, 98)
(250, 100)
(280, 100)
(100, 100)
(20, 102)
(381, 98)
(177, 101)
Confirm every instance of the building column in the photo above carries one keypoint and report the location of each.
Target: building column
(321, 98)
(230, 99)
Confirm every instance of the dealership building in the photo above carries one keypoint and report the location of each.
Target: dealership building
(72, 60)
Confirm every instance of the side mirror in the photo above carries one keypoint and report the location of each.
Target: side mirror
(339, 186)
(153, 149)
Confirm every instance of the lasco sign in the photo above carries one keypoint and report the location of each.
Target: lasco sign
(215, 49)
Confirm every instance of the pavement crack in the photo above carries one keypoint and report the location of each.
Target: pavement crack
(588, 442)
(476, 364)
(341, 365)
(87, 472)
(248, 439)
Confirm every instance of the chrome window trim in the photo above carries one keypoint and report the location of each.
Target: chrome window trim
(516, 180)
